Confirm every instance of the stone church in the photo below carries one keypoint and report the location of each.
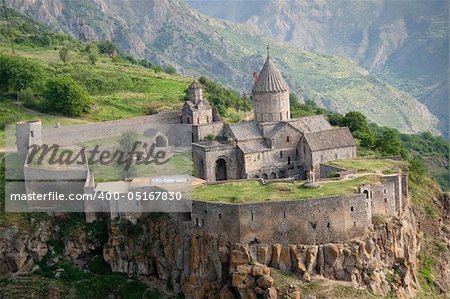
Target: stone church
(272, 145)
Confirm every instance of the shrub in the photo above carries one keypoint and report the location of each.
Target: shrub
(170, 70)
(98, 266)
(64, 95)
(152, 294)
(64, 54)
(132, 290)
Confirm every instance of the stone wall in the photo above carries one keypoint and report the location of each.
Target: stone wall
(387, 199)
(333, 154)
(309, 221)
(313, 221)
(28, 133)
(60, 181)
(199, 132)
(83, 133)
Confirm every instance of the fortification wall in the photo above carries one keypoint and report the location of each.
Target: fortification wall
(387, 198)
(312, 221)
(319, 220)
(218, 218)
(83, 133)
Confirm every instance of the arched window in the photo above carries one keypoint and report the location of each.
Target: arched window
(288, 139)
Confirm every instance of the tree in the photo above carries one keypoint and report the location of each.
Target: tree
(358, 125)
(170, 70)
(64, 54)
(17, 74)
(388, 142)
(64, 95)
(126, 144)
(107, 47)
(294, 101)
(93, 54)
(356, 121)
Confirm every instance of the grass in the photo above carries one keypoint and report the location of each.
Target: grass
(118, 89)
(252, 191)
(385, 166)
(9, 114)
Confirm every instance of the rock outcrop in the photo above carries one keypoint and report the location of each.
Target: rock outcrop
(19, 251)
(184, 259)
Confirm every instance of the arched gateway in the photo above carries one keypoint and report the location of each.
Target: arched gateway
(221, 169)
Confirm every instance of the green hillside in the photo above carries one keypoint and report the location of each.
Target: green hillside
(117, 87)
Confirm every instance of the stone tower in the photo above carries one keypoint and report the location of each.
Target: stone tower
(196, 110)
(271, 95)
(28, 133)
(195, 92)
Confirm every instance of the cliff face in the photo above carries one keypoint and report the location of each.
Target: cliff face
(204, 265)
(168, 253)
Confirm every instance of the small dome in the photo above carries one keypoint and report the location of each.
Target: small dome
(195, 85)
(269, 79)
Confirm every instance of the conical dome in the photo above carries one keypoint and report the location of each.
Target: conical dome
(269, 79)
(194, 85)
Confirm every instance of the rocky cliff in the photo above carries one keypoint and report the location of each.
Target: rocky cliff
(167, 252)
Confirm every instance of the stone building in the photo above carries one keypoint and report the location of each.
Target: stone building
(272, 145)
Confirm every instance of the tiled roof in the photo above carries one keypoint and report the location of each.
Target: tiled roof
(253, 146)
(275, 129)
(269, 79)
(310, 124)
(329, 139)
(245, 131)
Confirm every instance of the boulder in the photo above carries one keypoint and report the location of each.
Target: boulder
(263, 254)
(239, 257)
(237, 279)
(265, 281)
(276, 252)
(271, 293)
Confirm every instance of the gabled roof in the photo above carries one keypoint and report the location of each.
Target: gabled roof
(329, 139)
(255, 146)
(275, 129)
(194, 85)
(194, 106)
(310, 124)
(269, 79)
(245, 131)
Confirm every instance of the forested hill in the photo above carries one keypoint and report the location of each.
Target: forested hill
(169, 32)
(404, 42)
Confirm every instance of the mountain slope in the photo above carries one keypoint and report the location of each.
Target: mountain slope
(403, 41)
(170, 32)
